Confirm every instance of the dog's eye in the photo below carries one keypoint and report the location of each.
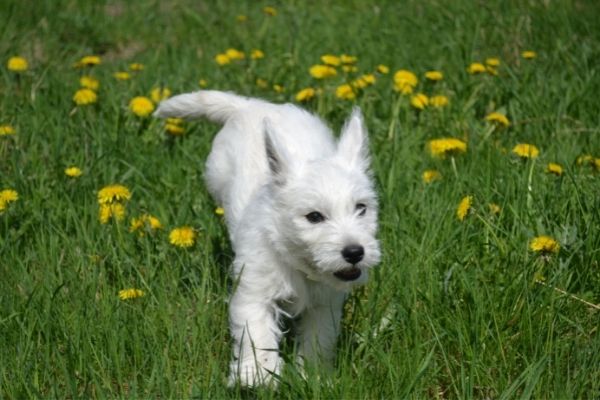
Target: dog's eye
(361, 208)
(315, 217)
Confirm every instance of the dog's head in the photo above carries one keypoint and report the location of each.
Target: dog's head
(327, 208)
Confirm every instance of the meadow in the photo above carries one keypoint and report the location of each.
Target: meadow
(484, 133)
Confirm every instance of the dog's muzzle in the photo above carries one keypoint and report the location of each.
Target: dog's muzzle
(348, 274)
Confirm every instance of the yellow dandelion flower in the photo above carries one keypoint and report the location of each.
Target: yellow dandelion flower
(175, 121)
(446, 146)
(89, 82)
(383, 69)
(235, 54)
(329, 59)
(241, 18)
(492, 62)
(113, 194)
(174, 126)
(322, 71)
(141, 106)
(431, 175)
(122, 75)
(175, 130)
(405, 81)
(203, 83)
(136, 224)
(73, 172)
(494, 208)
(278, 88)
(585, 159)
(345, 92)
(405, 78)
(434, 75)
(154, 222)
(364, 80)
(145, 222)
(498, 118)
(115, 211)
(419, 101)
(136, 67)
(262, 83)
(17, 64)
(127, 294)
(305, 94)
(88, 61)
(476, 68)
(347, 59)
(525, 150)
(528, 54)
(464, 207)
(270, 11)
(438, 101)
(359, 83)
(84, 97)
(596, 164)
(554, 168)
(349, 68)
(7, 196)
(257, 54)
(220, 211)
(6, 130)
(184, 236)
(544, 244)
(222, 59)
(370, 79)
(159, 94)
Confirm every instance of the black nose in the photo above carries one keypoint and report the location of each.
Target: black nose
(353, 253)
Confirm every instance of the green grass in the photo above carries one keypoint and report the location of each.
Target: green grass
(453, 311)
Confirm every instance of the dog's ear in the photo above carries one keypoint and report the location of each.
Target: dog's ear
(353, 145)
(277, 156)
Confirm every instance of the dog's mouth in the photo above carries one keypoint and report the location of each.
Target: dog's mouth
(348, 274)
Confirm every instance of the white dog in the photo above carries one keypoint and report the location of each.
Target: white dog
(302, 217)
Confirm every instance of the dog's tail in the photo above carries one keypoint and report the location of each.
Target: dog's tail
(211, 104)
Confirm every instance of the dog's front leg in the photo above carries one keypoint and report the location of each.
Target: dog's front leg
(256, 336)
(318, 329)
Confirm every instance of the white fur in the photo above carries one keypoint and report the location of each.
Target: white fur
(269, 167)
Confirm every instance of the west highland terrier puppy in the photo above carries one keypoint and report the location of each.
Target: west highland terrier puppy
(301, 212)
